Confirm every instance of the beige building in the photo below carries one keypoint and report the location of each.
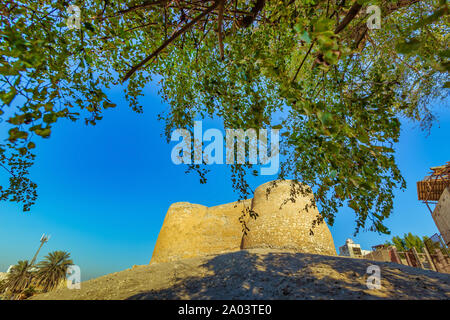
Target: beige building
(351, 249)
(435, 190)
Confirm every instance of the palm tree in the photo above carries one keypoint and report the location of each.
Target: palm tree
(18, 279)
(52, 270)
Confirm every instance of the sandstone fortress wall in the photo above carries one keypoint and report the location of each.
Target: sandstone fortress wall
(191, 230)
(285, 219)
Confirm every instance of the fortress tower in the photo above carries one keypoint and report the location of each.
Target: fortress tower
(286, 218)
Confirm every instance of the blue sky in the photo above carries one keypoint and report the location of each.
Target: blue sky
(104, 190)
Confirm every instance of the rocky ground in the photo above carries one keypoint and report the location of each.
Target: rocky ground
(262, 274)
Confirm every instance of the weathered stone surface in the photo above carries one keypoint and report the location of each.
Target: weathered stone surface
(441, 215)
(284, 221)
(191, 230)
(286, 215)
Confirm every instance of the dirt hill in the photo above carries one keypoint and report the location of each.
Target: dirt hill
(261, 274)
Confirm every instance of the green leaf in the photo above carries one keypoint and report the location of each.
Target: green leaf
(325, 117)
(7, 70)
(107, 104)
(298, 27)
(352, 204)
(333, 174)
(8, 97)
(17, 120)
(50, 117)
(305, 37)
(44, 133)
(15, 134)
(323, 24)
(48, 106)
(406, 47)
(89, 26)
(23, 151)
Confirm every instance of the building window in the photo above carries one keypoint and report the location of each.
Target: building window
(357, 251)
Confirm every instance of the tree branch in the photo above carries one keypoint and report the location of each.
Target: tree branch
(170, 40)
(220, 27)
(303, 61)
(349, 17)
(4, 167)
(362, 29)
(142, 6)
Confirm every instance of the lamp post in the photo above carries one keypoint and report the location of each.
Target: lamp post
(43, 240)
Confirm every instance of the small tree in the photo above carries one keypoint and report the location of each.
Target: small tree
(399, 243)
(413, 241)
(408, 242)
(52, 270)
(18, 279)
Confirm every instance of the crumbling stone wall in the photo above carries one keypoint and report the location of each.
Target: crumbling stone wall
(285, 220)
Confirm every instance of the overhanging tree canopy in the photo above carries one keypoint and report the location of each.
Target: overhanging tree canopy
(340, 86)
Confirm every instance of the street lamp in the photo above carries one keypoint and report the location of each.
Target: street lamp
(43, 240)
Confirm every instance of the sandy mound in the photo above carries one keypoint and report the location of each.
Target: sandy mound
(261, 274)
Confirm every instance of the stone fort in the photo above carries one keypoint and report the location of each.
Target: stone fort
(285, 217)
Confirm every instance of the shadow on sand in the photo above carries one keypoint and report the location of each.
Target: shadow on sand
(280, 275)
